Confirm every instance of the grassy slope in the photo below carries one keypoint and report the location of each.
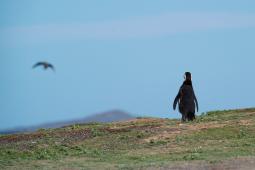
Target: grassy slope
(140, 143)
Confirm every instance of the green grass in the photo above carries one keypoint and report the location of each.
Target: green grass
(134, 144)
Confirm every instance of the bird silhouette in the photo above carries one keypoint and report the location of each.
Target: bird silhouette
(45, 65)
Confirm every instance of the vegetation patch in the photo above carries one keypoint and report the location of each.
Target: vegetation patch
(143, 142)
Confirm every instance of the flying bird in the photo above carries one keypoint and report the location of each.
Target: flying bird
(45, 65)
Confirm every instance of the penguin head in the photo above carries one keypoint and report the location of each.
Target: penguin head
(187, 76)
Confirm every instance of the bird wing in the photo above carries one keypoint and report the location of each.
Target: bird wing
(38, 64)
(51, 66)
(196, 102)
(177, 99)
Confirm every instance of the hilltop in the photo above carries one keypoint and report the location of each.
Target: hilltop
(104, 117)
(215, 140)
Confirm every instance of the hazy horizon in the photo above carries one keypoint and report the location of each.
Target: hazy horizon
(122, 55)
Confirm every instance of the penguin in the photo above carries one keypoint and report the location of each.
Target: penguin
(186, 99)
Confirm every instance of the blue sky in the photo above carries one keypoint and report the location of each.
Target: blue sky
(122, 55)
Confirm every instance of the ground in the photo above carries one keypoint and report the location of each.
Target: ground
(215, 140)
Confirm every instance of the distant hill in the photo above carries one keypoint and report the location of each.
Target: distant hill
(105, 117)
